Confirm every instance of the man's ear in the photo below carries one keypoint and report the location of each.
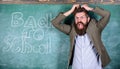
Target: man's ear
(74, 21)
(88, 19)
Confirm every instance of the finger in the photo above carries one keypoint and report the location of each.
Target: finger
(77, 5)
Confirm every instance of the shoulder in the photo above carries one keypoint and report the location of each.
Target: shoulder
(93, 21)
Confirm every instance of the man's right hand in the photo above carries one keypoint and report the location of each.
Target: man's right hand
(72, 9)
(74, 6)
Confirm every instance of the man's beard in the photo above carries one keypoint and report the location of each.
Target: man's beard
(81, 31)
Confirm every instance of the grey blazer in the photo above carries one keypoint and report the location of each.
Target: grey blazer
(94, 32)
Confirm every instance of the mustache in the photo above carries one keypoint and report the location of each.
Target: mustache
(81, 23)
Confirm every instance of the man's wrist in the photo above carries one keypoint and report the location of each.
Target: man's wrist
(91, 9)
(67, 13)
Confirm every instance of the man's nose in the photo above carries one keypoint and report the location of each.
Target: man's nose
(79, 20)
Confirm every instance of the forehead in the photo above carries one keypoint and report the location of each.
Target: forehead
(79, 14)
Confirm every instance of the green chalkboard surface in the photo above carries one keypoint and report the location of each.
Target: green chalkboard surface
(28, 40)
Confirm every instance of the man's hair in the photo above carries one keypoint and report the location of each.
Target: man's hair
(77, 10)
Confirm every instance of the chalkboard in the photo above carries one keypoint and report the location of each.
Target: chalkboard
(28, 40)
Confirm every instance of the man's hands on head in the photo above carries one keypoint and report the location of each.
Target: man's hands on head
(77, 6)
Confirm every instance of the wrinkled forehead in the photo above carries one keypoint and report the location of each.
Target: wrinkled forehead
(80, 14)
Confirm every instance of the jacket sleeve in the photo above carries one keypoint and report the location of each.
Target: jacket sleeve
(105, 16)
(57, 22)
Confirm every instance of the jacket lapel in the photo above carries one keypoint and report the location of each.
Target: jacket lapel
(89, 31)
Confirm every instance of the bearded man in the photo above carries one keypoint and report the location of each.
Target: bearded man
(87, 50)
